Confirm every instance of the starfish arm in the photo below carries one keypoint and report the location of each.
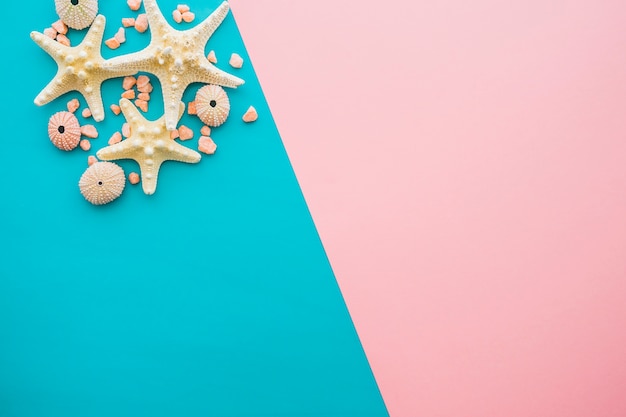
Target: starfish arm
(93, 38)
(210, 74)
(204, 30)
(131, 113)
(54, 89)
(94, 101)
(120, 150)
(172, 96)
(49, 45)
(149, 176)
(155, 17)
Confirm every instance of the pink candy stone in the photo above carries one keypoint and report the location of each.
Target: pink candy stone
(251, 115)
(73, 105)
(89, 130)
(177, 15)
(141, 23)
(191, 108)
(133, 178)
(112, 43)
(63, 40)
(60, 27)
(116, 138)
(206, 145)
(126, 130)
(134, 4)
(211, 57)
(50, 32)
(205, 131)
(84, 145)
(91, 160)
(142, 104)
(174, 134)
(184, 133)
(236, 61)
(129, 94)
(129, 82)
(143, 96)
(116, 109)
(128, 22)
(120, 35)
(86, 113)
(182, 8)
(189, 17)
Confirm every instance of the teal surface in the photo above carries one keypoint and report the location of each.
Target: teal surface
(213, 297)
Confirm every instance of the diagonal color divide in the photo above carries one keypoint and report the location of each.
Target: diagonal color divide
(213, 297)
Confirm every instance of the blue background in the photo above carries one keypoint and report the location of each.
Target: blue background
(213, 297)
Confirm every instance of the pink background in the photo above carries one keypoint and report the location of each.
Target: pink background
(465, 163)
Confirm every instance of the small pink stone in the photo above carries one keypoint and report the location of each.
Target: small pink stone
(91, 160)
(236, 61)
(206, 145)
(191, 108)
(205, 131)
(129, 82)
(63, 40)
(182, 8)
(129, 94)
(128, 22)
(73, 105)
(142, 81)
(142, 104)
(89, 130)
(185, 133)
(211, 57)
(86, 113)
(126, 130)
(133, 178)
(116, 138)
(141, 23)
(143, 96)
(116, 109)
(189, 17)
(85, 145)
(145, 88)
(120, 35)
(177, 15)
(251, 115)
(60, 27)
(174, 134)
(134, 4)
(112, 43)
(50, 32)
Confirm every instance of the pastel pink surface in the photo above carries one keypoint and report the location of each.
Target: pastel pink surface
(465, 164)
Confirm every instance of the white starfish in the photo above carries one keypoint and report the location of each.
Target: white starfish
(149, 144)
(177, 57)
(81, 68)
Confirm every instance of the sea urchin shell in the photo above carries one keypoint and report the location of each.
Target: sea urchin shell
(212, 105)
(64, 130)
(77, 14)
(102, 183)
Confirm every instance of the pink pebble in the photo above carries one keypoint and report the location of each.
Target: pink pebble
(177, 15)
(86, 113)
(236, 61)
(91, 160)
(115, 138)
(112, 43)
(141, 23)
(184, 133)
(205, 131)
(128, 22)
(189, 17)
(142, 104)
(129, 82)
(146, 88)
(50, 32)
(116, 109)
(211, 57)
(73, 105)
(126, 130)
(134, 4)
(206, 145)
(85, 145)
(133, 178)
(251, 115)
(89, 130)
(191, 108)
(120, 35)
(129, 94)
(63, 40)
(142, 81)
(174, 134)
(143, 96)
(182, 8)
(60, 27)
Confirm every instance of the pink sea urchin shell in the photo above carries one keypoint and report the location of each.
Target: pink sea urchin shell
(212, 105)
(64, 130)
(102, 183)
(77, 14)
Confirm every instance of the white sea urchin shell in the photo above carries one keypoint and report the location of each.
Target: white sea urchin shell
(212, 105)
(77, 14)
(102, 183)
(64, 130)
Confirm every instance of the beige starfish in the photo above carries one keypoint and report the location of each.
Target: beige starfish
(81, 68)
(149, 144)
(177, 57)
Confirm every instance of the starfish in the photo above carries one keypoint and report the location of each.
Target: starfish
(177, 57)
(81, 68)
(149, 144)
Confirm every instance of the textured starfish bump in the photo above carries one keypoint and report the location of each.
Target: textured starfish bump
(81, 68)
(177, 58)
(149, 144)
